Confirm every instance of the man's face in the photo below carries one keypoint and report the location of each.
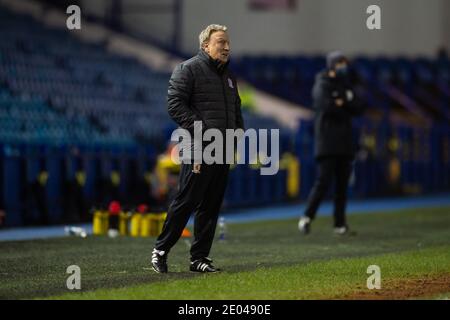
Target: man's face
(218, 46)
(341, 68)
(341, 65)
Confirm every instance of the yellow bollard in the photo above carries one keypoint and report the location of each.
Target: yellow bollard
(293, 178)
(124, 219)
(146, 225)
(153, 224)
(135, 224)
(291, 164)
(97, 223)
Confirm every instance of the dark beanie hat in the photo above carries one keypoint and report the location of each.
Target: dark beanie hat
(335, 57)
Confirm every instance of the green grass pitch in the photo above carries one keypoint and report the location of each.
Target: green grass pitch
(260, 260)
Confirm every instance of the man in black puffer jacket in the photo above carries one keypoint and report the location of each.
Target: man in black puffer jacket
(200, 89)
(335, 104)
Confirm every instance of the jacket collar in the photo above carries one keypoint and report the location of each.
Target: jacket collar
(215, 64)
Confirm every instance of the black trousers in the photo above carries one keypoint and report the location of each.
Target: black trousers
(199, 193)
(329, 169)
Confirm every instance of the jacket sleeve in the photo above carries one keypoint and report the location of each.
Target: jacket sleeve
(323, 100)
(353, 104)
(178, 98)
(239, 119)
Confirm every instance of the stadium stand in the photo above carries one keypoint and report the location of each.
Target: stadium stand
(69, 106)
(418, 86)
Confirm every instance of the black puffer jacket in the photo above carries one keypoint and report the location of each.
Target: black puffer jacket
(200, 90)
(333, 125)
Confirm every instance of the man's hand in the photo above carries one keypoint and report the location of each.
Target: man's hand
(196, 168)
(349, 95)
(339, 102)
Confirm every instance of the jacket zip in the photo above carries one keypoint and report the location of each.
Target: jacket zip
(223, 91)
(226, 102)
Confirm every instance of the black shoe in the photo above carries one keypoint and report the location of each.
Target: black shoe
(203, 265)
(159, 261)
(304, 225)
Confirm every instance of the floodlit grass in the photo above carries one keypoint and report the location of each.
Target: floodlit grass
(325, 279)
(261, 260)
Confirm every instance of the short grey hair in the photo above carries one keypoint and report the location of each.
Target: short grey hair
(206, 33)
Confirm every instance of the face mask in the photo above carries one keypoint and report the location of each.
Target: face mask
(342, 71)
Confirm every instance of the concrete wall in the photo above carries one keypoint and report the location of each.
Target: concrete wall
(409, 27)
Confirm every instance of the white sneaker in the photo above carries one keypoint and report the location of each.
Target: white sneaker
(304, 225)
(341, 230)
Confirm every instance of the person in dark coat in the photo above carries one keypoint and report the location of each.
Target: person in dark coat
(200, 89)
(335, 104)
